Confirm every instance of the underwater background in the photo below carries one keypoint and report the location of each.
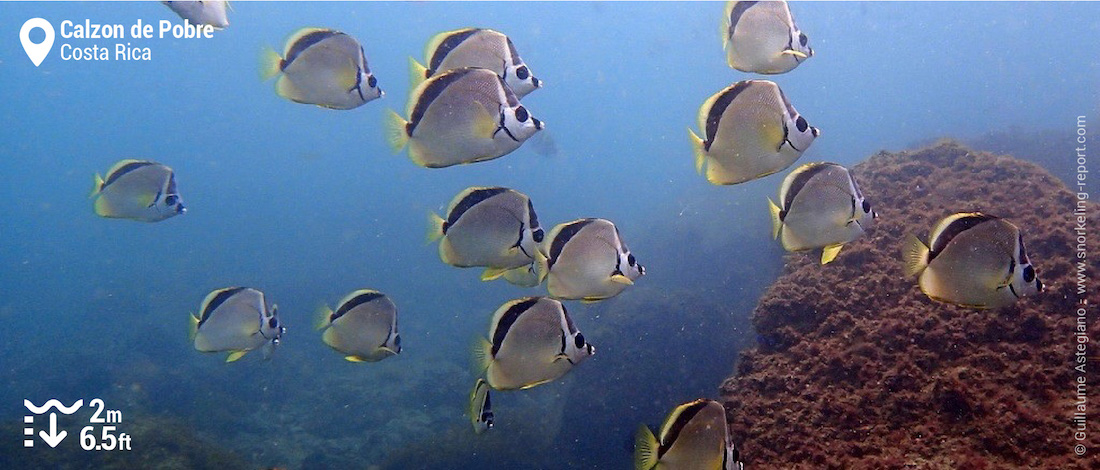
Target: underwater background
(308, 204)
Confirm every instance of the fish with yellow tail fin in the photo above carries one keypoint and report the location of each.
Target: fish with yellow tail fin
(476, 47)
(492, 227)
(363, 327)
(822, 207)
(749, 130)
(236, 320)
(694, 436)
(481, 407)
(532, 341)
(138, 190)
(461, 116)
(587, 259)
(761, 37)
(973, 260)
(322, 67)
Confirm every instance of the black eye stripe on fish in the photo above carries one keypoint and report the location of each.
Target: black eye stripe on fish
(512, 52)
(563, 236)
(953, 229)
(448, 45)
(714, 115)
(470, 200)
(305, 42)
(507, 320)
(434, 89)
(354, 302)
(216, 301)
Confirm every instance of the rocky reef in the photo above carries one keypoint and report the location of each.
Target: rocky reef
(857, 368)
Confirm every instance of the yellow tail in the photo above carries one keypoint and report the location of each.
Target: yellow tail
(320, 318)
(193, 329)
(915, 254)
(700, 152)
(777, 223)
(645, 449)
(482, 357)
(270, 63)
(417, 73)
(395, 131)
(97, 185)
(542, 266)
(435, 227)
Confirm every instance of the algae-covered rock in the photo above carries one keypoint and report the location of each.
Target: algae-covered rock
(857, 368)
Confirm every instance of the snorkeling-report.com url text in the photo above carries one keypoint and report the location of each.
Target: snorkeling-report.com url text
(1080, 335)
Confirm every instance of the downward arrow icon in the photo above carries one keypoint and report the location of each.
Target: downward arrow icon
(53, 438)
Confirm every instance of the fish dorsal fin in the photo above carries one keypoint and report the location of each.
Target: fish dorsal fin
(710, 114)
(561, 236)
(428, 91)
(123, 167)
(468, 199)
(798, 179)
(215, 299)
(676, 421)
(301, 39)
(355, 299)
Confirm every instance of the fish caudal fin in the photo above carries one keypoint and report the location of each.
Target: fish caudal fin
(417, 73)
(321, 317)
(828, 254)
(97, 185)
(492, 274)
(193, 328)
(645, 449)
(395, 131)
(235, 355)
(700, 152)
(542, 266)
(777, 222)
(915, 253)
(482, 358)
(270, 63)
(435, 227)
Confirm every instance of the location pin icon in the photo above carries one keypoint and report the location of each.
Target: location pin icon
(37, 52)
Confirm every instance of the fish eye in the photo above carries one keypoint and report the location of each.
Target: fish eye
(397, 340)
(866, 207)
(273, 323)
(522, 73)
(537, 235)
(802, 124)
(1029, 274)
(579, 340)
(521, 114)
(171, 200)
(372, 82)
(802, 39)
(630, 259)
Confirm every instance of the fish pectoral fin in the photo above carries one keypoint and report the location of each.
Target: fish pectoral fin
(560, 357)
(235, 355)
(645, 448)
(799, 54)
(828, 253)
(484, 123)
(492, 274)
(621, 279)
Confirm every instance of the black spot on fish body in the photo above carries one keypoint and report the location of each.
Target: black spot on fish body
(305, 42)
(111, 178)
(714, 115)
(953, 229)
(447, 45)
(682, 419)
(431, 92)
(355, 302)
(800, 180)
(564, 235)
(735, 15)
(273, 323)
(507, 320)
(216, 302)
(468, 201)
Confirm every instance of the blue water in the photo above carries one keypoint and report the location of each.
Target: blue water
(308, 204)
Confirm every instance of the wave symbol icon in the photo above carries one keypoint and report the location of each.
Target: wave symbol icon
(53, 403)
